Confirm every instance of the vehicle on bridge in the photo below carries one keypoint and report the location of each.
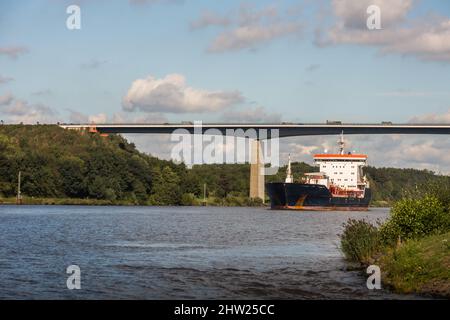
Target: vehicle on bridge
(339, 185)
(333, 122)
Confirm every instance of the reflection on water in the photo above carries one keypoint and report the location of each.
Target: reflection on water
(177, 252)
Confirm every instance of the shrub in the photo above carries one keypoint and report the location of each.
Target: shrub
(254, 202)
(359, 241)
(415, 218)
(440, 191)
(188, 199)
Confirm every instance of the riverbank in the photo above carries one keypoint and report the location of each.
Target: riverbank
(420, 266)
(230, 201)
(66, 201)
(412, 247)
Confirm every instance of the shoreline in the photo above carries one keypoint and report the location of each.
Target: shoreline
(214, 202)
(219, 202)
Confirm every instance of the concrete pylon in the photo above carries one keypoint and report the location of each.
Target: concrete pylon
(256, 171)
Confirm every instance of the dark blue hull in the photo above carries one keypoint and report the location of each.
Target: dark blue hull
(299, 196)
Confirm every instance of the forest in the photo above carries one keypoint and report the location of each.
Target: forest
(64, 164)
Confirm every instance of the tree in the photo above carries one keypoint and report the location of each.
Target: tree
(166, 188)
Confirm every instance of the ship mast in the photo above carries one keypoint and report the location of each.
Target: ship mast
(289, 178)
(341, 143)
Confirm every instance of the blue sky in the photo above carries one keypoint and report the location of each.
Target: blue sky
(282, 71)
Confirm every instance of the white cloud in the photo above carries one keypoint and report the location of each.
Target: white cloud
(248, 28)
(251, 115)
(427, 41)
(353, 14)
(157, 145)
(98, 118)
(118, 117)
(6, 99)
(427, 38)
(153, 117)
(77, 117)
(250, 36)
(17, 110)
(172, 94)
(432, 118)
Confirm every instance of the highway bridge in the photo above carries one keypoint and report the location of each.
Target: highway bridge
(281, 129)
(285, 129)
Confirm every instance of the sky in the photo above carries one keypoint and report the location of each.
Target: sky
(227, 61)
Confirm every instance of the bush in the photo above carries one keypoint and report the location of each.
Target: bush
(440, 191)
(254, 202)
(360, 241)
(415, 218)
(188, 199)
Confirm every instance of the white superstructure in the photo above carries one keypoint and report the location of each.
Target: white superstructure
(340, 172)
(343, 170)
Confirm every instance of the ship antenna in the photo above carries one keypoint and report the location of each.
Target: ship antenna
(341, 143)
(289, 178)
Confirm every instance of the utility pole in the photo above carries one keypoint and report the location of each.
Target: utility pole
(204, 194)
(19, 194)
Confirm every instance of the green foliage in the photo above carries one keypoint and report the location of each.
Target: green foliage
(438, 188)
(415, 218)
(234, 200)
(58, 163)
(360, 241)
(392, 184)
(221, 179)
(420, 262)
(167, 189)
(421, 265)
(188, 199)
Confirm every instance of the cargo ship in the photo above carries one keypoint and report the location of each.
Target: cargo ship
(339, 185)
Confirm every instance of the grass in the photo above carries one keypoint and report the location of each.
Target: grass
(65, 201)
(230, 201)
(419, 266)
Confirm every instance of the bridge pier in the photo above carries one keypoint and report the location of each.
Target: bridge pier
(256, 171)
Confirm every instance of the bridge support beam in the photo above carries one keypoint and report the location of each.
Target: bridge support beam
(256, 171)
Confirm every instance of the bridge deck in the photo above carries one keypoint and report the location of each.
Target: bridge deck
(285, 130)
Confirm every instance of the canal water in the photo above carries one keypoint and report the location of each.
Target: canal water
(178, 253)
